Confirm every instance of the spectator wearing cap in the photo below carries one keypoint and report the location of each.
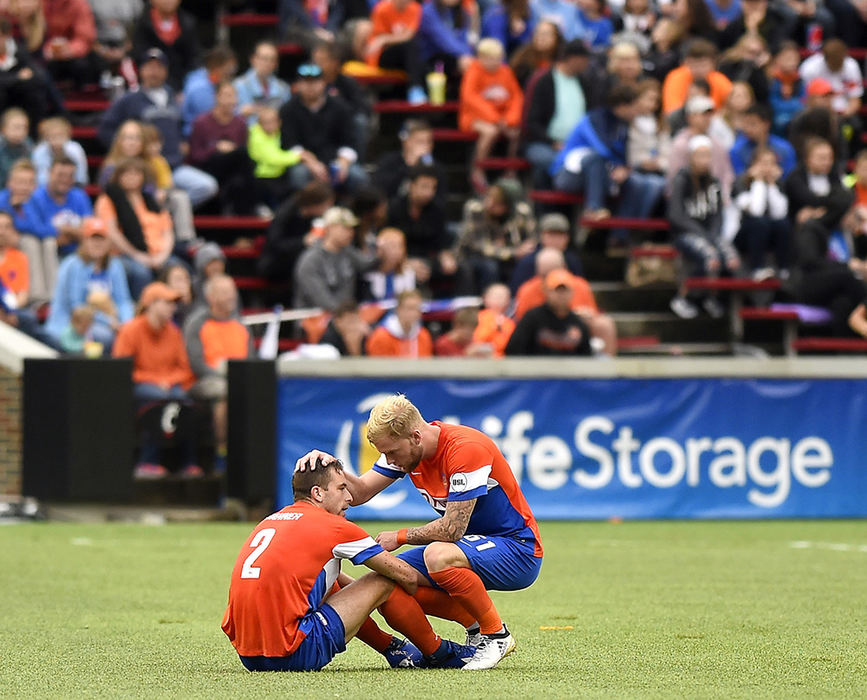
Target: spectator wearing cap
(208, 261)
(320, 126)
(327, 272)
(161, 370)
(70, 33)
(532, 293)
(819, 120)
(756, 133)
(699, 114)
(200, 86)
(554, 231)
(695, 208)
(165, 27)
(497, 230)
(91, 277)
(401, 333)
(218, 145)
(259, 86)
(593, 161)
(155, 104)
(62, 204)
(213, 336)
(699, 62)
(555, 102)
(553, 328)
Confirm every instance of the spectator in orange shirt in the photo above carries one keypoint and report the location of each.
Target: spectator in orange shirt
(699, 63)
(459, 341)
(533, 293)
(15, 285)
(494, 327)
(161, 369)
(392, 43)
(491, 104)
(214, 335)
(402, 334)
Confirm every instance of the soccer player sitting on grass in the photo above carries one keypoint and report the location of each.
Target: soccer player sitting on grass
(285, 611)
(464, 476)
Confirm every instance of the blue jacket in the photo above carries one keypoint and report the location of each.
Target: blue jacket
(250, 91)
(742, 153)
(137, 105)
(27, 218)
(77, 202)
(785, 108)
(495, 24)
(601, 131)
(563, 14)
(199, 97)
(73, 286)
(437, 34)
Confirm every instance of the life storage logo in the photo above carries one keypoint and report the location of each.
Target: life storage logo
(608, 452)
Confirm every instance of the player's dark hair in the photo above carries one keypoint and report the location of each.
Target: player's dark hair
(321, 474)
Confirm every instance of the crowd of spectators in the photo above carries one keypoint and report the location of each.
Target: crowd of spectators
(739, 121)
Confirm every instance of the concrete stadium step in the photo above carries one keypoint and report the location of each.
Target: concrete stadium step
(619, 296)
(671, 329)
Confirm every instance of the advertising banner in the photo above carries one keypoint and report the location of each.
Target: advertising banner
(605, 448)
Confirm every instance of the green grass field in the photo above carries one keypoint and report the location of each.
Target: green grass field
(721, 610)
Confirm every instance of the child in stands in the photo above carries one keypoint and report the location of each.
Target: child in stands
(491, 104)
(56, 140)
(15, 144)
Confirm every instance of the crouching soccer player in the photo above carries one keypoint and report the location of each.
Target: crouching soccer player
(486, 537)
(284, 612)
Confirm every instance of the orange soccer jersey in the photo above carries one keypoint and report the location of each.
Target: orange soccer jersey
(466, 465)
(284, 571)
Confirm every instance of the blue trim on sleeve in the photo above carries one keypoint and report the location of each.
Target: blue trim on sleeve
(390, 473)
(477, 492)
(366, 554)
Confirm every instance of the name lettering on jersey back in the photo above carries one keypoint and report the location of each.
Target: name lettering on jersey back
(285, 516)
(438, 504)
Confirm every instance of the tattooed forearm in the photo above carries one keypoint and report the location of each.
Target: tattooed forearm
(449, 528)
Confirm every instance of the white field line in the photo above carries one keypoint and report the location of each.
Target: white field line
(830, 546)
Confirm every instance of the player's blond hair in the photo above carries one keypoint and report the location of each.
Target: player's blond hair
(394, 416)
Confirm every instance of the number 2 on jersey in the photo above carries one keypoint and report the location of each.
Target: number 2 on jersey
(260, 542)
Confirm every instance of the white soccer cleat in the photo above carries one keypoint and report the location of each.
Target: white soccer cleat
(474, 638)
(492, 649)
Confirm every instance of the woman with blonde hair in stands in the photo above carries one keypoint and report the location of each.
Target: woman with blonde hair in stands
(139, 228)
(134, 139)
(393, 275)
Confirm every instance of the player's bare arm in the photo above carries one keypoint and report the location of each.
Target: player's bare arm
(362, 488)
(449, 528)
(395, 569)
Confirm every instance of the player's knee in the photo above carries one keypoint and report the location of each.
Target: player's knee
(439, 556)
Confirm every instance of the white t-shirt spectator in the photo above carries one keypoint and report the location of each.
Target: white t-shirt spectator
(847, 82)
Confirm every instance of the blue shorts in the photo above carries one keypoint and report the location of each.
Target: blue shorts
(503, 563)
(325, 639)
